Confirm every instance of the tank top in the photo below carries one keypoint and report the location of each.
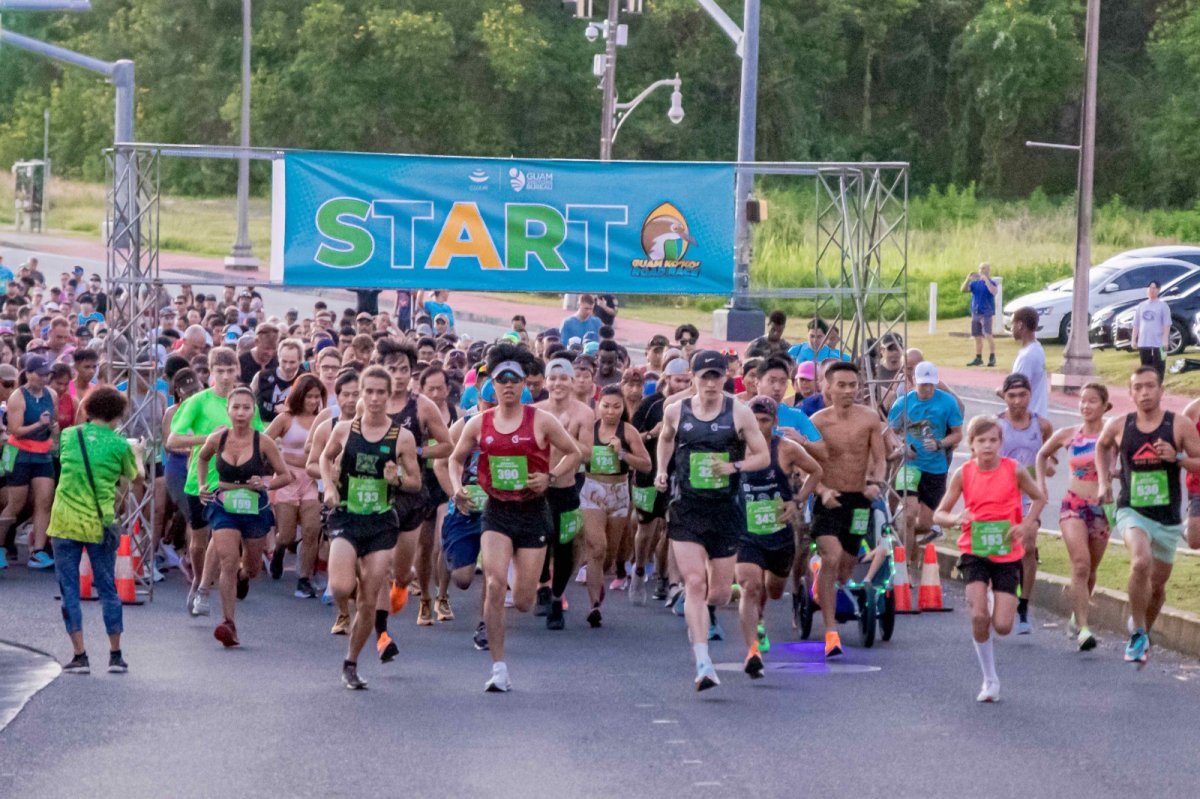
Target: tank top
(429, 477)
(698, 445)
(1081, 456)
(66, 410)
(604, 459)
(242, 472)
(409, 418)
(1149, 485)
(37, 442)
(292, 441)
(994, 499)
(507, 459)
(1021, 445)
(361, 484)
(764, 492)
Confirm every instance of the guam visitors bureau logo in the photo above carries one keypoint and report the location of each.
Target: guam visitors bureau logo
(665, 240)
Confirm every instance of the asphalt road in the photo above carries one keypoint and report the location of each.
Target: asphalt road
(593, 712)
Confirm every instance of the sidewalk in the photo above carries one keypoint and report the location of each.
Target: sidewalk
(487, 309)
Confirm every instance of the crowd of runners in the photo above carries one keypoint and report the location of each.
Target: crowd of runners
(397, 458)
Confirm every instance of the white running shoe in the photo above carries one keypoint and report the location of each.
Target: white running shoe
(499, 682)
(581, 577)
(201, 606)
(990, 692)
(706, 677)
(637, 590)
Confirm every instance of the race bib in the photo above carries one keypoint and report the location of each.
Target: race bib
(367, 495)
(702, 472)
(860, 522)
(644, 497)
(604, 460)
(907, 479)
(762, 516)
(569, 525)
(240, 501)
(1149, 489)
(8, 459)
(429, 461)
(509, 472)
(991, 538)
(478, 496)
(1110, 513)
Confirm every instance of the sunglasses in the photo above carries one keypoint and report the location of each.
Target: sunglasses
(687, 341)
(8, 383)
(507, 379)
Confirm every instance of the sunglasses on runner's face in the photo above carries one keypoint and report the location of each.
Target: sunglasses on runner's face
(507, 379)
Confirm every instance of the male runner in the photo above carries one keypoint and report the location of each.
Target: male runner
(842, 513)
(1152, 445)
(706, 436)
(563, 493)
(363, 461)
(514, 469)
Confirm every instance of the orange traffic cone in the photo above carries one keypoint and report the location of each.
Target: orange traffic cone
(126, 584)
(929, 598)
(814, 566)
(85, 577)
(900, 586)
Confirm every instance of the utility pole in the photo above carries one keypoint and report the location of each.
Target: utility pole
(609, 85)
(1078, 366)
(242, 257)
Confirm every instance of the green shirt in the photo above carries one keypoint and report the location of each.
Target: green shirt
(199, 415)
(73, 514)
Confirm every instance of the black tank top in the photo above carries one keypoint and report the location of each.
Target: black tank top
(621, 466)
(429, 477)
(410, 419)
(242, 472)
(697, 444)
(365, 460)
(769, 483)
(1149, 485)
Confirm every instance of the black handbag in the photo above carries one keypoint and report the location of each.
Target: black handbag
(112, 532)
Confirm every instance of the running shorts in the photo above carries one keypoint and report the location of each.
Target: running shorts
(461, 537)
(774, 552)
(411, 509)
(526, 522)
(1164, 538)
(718, 526)
(1088, 511)
(23, 472)
(366, 533)
(612, 498)
(1003, 577)
(840, 521)
(197, 519)
(250, 525)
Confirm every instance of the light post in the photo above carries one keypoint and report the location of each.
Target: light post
(242, 257)
(621, 111)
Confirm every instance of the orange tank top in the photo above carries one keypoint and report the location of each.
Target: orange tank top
(994, 500)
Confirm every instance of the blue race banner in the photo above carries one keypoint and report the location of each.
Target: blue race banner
(398, 221)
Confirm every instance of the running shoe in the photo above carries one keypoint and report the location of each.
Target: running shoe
(304, 589)
(677, 605)
(277, 562)
(170, 557)
(387, 648)
(1072, 627)
(715, 631)
(992, 359)
(660, 588)
(674, 590)
(764, 643)
(243, 585)
(78, 665)
(593, 618)
(326, 596)
(499, 682)
(637, 590)
(977, 362)
(155, 573)
(990, 692)
(1023, 625)
(191, 597)
(201, 606)
(425, 613)
(1136, 649)
(443, 610)
(350, 677)
(753, 665)
(3, 559)
(581, 576)
(1086, 640)
(833, 644)
(508, 600)
(480, 638)
(935, 532)
(706, 677)
(618, 584)
(40, 561)
(555, 619)
(341, 626)
(398, 598)
(542, 606)
(116, 663)
(226, 633)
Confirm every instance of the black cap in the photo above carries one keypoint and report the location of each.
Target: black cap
(708, 361)
(1016, 380)
(658, 340)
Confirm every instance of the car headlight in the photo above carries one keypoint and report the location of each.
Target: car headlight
(1044, 311)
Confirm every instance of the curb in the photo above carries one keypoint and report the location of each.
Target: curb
(1175, 629)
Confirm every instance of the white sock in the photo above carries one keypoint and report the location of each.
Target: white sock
(987, 660)
(701, 650)
(498, 667)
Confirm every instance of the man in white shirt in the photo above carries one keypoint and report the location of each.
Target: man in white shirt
(1152, 329)
(1031, 359)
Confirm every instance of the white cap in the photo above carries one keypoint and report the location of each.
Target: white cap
(926, 374)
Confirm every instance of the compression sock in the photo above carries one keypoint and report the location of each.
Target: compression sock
(987, 660)
(381, 617)
(1023, 607)
(712, 614)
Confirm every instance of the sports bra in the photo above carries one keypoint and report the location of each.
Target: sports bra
(1082, 457)
(242, 472)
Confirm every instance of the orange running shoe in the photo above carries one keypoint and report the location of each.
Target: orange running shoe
(833, 645)
(399, 598)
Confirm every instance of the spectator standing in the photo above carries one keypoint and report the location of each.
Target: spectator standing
(583, 321)
(1152, 330)
(606, 309)
(100, 299)
(983, 310)
(438, 304)
(262, 355)
(773, 342)
(820, 344)
(1031, 359)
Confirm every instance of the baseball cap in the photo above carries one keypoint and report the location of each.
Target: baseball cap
(37, 364)
(926, 374)
(1016, 380)
(52, 306)
(8, 372)
(708, 361)
(78, 270)
(658, 340)
(575, 343)
(675, 366)
(807, 371)
(363, 317)
(424, 330)
(550, 332)
(508, 366)
(591, 348)
(560, 365)
(589, 337)
(764, 405)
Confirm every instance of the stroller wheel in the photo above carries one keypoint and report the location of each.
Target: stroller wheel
(867, 616)
(887, 619)
(804, 615)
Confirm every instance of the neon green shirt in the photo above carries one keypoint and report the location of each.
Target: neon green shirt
(73, 514)
(199, 415)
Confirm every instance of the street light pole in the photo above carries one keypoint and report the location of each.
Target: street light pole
(609, 85)
(242, 257)
(1077, 365)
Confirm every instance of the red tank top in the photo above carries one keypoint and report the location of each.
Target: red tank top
(507, 459)
(1193, 480)
(993, 496)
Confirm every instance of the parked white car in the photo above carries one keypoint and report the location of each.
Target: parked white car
(1121, 278)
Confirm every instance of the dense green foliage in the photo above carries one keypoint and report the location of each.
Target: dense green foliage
(954, 86)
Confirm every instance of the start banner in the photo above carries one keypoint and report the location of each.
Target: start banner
(354, 220)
